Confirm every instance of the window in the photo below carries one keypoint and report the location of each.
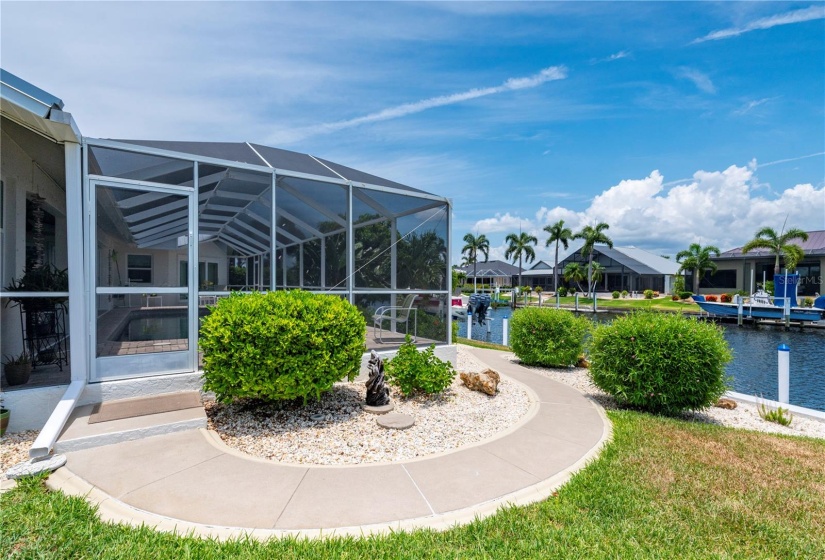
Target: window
(723, 279)
(208, 275)
(139, 268)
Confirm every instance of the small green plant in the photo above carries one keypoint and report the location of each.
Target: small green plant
(280, 345)
(808, 302)
(548, 336)
(769, 286)
(779, 416)
(624, 293)
(648, 294)
(20, 360)
(685, 295)
(679, 284)
(660, 362)
(616, 295)
(411, 370)
(562, 291)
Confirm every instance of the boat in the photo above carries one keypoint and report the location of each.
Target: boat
(458, 306)
(760, 305)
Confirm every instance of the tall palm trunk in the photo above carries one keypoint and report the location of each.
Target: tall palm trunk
(696, 273)
(555, 269)
(519, 271)
(475, 275)
(590, 275)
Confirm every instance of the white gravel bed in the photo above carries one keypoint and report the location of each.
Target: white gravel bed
(744, 416)
(14, 448)
(346, 434)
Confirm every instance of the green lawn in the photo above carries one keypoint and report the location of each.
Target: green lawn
(662, 488)
(660, 304)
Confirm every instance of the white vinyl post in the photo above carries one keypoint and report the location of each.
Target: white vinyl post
(470, 326)
(784, 373)
(504, 334)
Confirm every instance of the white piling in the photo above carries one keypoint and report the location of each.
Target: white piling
(784, 373)
(739, 309)
(505, 339)
(470, 326)
(489, 325)
(558, 301)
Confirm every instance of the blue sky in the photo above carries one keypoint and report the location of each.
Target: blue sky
(673, 122)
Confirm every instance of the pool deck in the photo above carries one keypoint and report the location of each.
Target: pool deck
(190, 482)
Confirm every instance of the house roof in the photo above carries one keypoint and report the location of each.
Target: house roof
(815, 245)
(491, 269)
(633, 258)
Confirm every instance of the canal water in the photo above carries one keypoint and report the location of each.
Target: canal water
(754, 366)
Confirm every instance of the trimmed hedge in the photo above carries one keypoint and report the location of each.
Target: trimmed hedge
(660, 362)
(548, 336)
(280, 345)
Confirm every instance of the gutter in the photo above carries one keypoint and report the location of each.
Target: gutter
(45, 441)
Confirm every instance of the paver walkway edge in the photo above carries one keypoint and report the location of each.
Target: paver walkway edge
(187, 484)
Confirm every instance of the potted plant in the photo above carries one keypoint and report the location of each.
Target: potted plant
(4, 416)
(17, 369)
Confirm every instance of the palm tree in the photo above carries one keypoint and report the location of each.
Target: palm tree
(591, 236)
(766, 238)
(598, 274)
(697, 259)
(520, 247)
(574, 272)
(473, 246)
(558, 234)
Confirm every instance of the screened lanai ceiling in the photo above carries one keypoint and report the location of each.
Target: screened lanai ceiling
(235, 205)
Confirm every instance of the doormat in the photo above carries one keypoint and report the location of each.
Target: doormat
(130, 408)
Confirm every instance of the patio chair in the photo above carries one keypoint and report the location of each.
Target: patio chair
(395, 314)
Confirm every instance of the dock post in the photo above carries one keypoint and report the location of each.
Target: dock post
(470, 326)
(738, 310)
(504, 333)
(558, 300)
(786, 312)
(784, 373)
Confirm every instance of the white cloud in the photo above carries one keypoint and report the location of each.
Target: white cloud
(751, 105)
(722, 208)
(787, 160)
(796, 16)
(699, 79)
(512, 84)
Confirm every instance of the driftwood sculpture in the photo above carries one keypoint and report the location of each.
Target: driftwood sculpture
(378, 394)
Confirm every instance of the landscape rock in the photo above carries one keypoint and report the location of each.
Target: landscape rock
(485, 381)
(729, 404)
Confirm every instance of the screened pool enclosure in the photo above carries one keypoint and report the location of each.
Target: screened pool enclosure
(176, 225)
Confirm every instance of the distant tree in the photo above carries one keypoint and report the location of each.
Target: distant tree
(574, 272)
(597, 275)
(697, 259)
(767, 238)
(521, 246)
(558, 234)
(473, 246)
(592, 235)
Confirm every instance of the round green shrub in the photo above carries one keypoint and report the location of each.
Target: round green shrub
(685, 295)
(411, 370)
(660, 362)
(648, 294)
(624, 293)
(562, 291)
(280, 345)
(616, 294)
(548, 336)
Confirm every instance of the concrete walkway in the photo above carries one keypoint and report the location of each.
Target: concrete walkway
(190, 482)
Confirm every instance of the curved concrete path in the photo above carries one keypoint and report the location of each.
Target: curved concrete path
(189, 482)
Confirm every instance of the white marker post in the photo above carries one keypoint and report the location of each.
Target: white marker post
(504, 337)
(470, 326)
(784, 373)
